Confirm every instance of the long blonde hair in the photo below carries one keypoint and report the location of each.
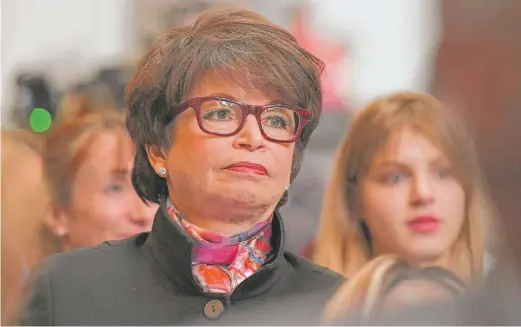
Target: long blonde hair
(367, 288)
(341, 244)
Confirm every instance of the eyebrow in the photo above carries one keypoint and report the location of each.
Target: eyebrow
(395, 163)
(119, 172)
(231, 97)
(389, 163)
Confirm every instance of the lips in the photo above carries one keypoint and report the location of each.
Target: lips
(248, 168)
(424, 224)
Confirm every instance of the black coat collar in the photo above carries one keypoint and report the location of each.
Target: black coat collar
(171, 248)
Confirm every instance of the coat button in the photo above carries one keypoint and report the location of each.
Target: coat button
(213, 309)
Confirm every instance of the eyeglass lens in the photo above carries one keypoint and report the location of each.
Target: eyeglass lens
(225, 117)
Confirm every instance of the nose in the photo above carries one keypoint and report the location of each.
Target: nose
(422, 192)
(142, 215)
(250, 136)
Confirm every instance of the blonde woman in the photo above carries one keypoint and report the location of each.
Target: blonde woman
(406, 182)
(387, 283)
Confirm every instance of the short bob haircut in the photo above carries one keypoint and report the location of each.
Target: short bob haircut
(242, 47)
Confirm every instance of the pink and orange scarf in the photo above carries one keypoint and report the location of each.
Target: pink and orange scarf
(219, 263)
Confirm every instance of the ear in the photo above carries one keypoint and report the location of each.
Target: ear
(156, 156)
(57, 220)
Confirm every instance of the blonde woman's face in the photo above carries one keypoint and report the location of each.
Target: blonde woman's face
(411, 201)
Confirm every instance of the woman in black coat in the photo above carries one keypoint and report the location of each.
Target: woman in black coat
(221, 112)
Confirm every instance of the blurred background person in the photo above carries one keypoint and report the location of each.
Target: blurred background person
(25, 204)
(406, 181)
(87, 164)
(386, 284)
(477, 68)
(71, 160)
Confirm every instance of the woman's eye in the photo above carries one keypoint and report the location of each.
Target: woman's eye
(219, 114)
(394, 178)
(444, 172)
(277, 122)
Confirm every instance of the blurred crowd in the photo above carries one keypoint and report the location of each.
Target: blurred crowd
(453, 157)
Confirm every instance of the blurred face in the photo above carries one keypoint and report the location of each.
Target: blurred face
(413, 204)
(414, 293)
(104, 206)
(224, 183)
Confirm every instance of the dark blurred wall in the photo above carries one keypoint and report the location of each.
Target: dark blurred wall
(478, 69)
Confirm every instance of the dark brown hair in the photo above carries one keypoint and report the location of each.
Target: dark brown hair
(244, 48)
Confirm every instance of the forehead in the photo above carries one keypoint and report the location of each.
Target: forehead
(107, 153)
(409, 145)
(222, 84)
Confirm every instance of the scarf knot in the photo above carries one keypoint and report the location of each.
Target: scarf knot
(220, 263)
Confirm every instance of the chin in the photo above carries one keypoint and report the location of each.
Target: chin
(425, 252)
(245, 193)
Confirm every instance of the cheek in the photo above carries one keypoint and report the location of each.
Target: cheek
(194, 150)
(452, 204)
(98, 213)
(383, 208)
(284, 159)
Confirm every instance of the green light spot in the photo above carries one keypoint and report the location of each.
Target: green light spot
(40, 120)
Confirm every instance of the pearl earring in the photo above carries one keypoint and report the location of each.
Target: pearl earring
(287, 187)
(162, 171)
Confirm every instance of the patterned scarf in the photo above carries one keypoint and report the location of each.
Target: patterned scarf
(219, 263)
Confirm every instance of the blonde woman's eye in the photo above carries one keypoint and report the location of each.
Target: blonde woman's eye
(444, 172)
(394, 178)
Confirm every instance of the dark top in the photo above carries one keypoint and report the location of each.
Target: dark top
(147, 280)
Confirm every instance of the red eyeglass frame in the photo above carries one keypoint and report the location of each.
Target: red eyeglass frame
(196, 103)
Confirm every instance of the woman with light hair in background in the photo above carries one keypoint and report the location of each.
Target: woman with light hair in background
(24, 205)
(406, 182)
(87, 164)
(387, 284)
(64, 189)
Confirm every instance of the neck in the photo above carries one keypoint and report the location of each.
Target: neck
(233, 222)
(226, 228)
(442, 262)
